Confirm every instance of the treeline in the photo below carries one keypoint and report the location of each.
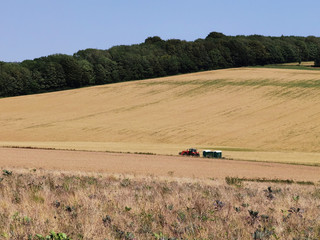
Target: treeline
(153, 58)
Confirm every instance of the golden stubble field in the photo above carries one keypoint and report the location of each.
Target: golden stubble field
(249, 113)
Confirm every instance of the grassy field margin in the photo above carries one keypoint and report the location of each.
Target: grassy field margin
(101, 206)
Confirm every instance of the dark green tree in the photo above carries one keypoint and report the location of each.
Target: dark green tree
(215, 35)
(152, 40)
(87, 72)
(317, 58)
(72, 71)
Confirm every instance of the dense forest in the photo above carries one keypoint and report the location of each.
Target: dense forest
(153, 58)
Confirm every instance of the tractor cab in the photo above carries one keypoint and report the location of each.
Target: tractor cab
(190, 152)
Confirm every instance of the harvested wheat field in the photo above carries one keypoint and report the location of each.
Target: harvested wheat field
(262, 115)
(154, 165)
(249, 113)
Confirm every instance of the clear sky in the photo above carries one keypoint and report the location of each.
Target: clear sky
(35, 28)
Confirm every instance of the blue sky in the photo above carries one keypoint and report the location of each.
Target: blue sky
(35, 28)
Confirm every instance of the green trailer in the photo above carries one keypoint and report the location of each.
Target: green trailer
(208, 154)
(212, 154)
(217, 154)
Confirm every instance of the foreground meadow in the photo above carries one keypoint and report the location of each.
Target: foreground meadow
(35, 202)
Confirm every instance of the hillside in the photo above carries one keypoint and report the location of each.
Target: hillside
(243, 110)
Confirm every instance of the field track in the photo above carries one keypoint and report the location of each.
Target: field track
(156, 165)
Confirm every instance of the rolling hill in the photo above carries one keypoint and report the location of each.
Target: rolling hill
(250, 113)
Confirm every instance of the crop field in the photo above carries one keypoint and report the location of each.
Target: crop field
(152, 165)
(125, 181)
(257, 114)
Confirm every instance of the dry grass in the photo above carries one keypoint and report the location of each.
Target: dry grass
(264, 110)
(91, 206)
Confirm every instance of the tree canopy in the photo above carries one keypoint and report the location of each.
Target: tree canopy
(152, 58)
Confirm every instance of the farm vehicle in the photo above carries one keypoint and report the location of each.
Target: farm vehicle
(190, 152)
(212, 154)
(205, 153)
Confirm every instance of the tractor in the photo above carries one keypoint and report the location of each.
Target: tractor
(190, 152)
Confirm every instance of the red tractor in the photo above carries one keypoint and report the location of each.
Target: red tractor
(190, 152)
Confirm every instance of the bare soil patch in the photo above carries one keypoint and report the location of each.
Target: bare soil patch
(138, 164)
